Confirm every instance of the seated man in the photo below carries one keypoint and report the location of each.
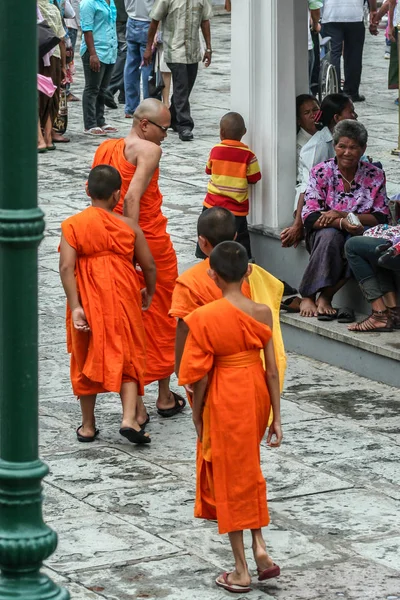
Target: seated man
(336, 188)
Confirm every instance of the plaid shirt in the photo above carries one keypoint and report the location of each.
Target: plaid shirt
(181, 22)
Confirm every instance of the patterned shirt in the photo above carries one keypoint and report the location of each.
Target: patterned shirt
(232, 166)
(326, 191)
(181, 22)
(100, 18)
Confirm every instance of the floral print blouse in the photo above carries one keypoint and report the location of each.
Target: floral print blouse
(325, 191)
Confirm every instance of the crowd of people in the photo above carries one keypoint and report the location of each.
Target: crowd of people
(131, 320)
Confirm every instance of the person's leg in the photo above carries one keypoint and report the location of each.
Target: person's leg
(354, 38)
(145, 71)
(183, 79)
(261, 557)
(243, 236)
(241, 575)
(166, 399)
(129, 398)
(72, 33)
(311, 60)
(167, 87)
(336, 32)
(41, 142)
(90, 93)
(132, 68)
(117, 77)
(324, 302)
(106, 71)
(47, 132)
(88, 427)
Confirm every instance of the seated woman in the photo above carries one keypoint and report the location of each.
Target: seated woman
(337, 187)
(334, 108)
(377, 281)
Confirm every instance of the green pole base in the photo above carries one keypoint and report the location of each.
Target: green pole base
(33, 586)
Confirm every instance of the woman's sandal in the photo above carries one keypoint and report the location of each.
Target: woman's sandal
(379, 316)
(291, 305)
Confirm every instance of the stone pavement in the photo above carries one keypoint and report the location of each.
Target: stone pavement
(124, 513)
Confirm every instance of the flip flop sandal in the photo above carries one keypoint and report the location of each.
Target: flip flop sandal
(97, 131)
(42, 150)
(325, 317)
(86, 438)
(291, 305)
(143, 425)
(52, 147)
(269, 573)
(231, 587)
(180, 404)
(133, 436)
(346, 315)
(109, 129)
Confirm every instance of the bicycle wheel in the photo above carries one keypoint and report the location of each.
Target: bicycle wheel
(332, 84)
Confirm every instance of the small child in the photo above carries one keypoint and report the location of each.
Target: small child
(232, 400)
(105, 332)
(232, 166)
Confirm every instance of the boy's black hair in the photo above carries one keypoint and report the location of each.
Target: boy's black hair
(230, 261)
(217, 224)
(233, 125)
(103, 181)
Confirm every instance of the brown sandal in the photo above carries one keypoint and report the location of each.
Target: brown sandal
(379, 316)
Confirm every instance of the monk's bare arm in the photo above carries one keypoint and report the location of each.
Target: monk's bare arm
(272, 379)
(182, 331)
(147, 162)
(199, 395)
(67, 274)
(146, 261)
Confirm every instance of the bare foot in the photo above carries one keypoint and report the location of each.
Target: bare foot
(262, 558)
(87, 430)
(235, 578)
(133, 425)
(166, 403)
(324, 306)
(308, 308)
(141, 412)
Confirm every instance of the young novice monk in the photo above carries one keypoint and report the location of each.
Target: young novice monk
(105, 333)
(232, 399)
(194, 288)
(232, 167)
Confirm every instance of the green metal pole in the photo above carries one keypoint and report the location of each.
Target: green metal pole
(25, 540)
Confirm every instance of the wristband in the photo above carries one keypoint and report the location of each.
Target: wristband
(209, 50)
(340, 224)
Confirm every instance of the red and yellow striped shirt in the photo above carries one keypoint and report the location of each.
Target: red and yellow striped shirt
(232, 166)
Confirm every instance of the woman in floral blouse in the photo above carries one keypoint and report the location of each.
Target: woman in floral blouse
(336, 188)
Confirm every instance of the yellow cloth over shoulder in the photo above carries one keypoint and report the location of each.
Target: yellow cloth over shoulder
(267, 289)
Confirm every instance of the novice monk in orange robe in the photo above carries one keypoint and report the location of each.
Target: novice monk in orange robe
(232, 398)
(137, 159)
(105, 333)
(194, 287)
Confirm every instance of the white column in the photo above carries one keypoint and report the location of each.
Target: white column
(263, 90)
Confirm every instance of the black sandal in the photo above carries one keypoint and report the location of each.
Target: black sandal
(180, 404)
(291, 305)
(346, 315)
(143, 425)
(133, 436)
(86, 438)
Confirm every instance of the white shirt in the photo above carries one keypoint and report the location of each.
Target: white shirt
(318, 149)
(343, 11)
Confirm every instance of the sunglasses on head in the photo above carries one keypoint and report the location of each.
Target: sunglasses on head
(162, 127)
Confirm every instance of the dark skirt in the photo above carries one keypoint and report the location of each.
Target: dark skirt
(328, 264)
(394, 66)
(48, 107)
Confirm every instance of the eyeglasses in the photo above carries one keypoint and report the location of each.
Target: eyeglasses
(162, 127)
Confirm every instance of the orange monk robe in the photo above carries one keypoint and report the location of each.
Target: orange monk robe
(194, 288)
(109, 291)
(159, 326)
(225, 343)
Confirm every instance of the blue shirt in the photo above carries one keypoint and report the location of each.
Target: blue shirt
(100, 18)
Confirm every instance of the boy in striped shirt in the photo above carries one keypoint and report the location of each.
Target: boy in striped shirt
(232, 166)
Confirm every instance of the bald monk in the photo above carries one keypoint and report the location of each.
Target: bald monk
(105, 333)
(232, 399)
(137, 159)
(194, 287)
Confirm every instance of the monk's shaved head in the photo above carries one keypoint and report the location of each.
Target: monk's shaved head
(151, 109)
(216, 224)
(230, 261)
(232, 126)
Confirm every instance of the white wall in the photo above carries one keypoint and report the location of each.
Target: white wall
(269, 67)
